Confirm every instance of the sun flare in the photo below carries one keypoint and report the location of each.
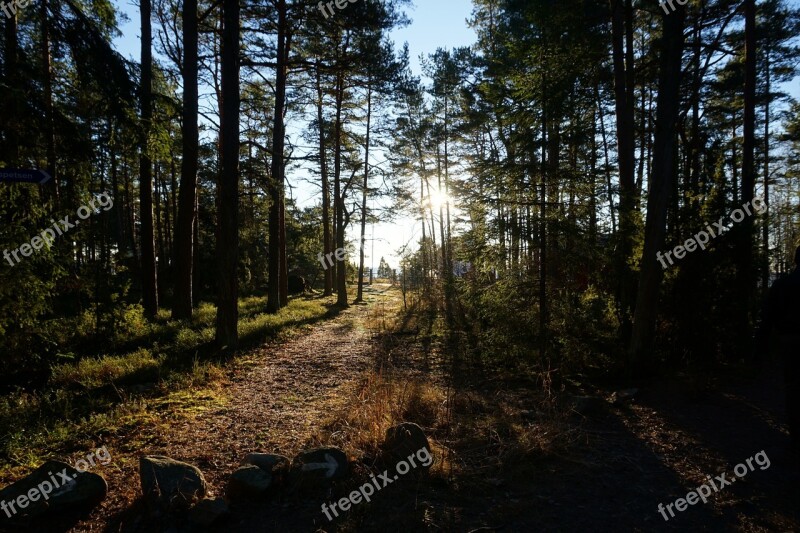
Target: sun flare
(438, 199)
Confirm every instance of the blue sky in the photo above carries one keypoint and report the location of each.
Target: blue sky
(436, 23)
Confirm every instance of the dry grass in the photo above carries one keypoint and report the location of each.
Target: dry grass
(381, 400)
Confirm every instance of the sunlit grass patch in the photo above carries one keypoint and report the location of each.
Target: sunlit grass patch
(188, 403)
(138, 366)
(298, 311)
(205, 314)
(188, 339)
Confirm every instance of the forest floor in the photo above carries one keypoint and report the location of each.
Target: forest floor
(510, 456)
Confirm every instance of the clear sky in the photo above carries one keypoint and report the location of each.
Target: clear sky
(435, 23)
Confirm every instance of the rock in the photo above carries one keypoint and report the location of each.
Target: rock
(45, 492)
(276, 466)
(248, 482)
(587, 405)
(298, 284)
(207, 512)
(267, 462)
(624, 396)
(404, 440)
(318, 467)
(170, 483)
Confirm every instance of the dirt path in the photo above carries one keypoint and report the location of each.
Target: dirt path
(276, 400)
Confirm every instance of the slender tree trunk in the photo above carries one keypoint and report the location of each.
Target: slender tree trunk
(326, 188)
(11, 123)
(274, 300)
(49, 115)
(543, 241)
(623, 91)
(228, 187)
(118, 209)
(341, 270)
(147, 238)
(593, 180)
(748, 163)
(440, 188)
(746, 278)
(607, 165)
(661, 184)
(449, 257)
(184, 227)
(169, 214)
(159, 226)
(765, 223)
(360, 296)
(734, 162)
(283, 282)
(196, 281)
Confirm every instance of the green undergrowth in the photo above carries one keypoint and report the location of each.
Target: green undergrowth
(168, 368)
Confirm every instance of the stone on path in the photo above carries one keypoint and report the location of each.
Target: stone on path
(37, 495)
(276, 465)
(248, 482)
(404, 440)
(207, 512)
(318, 467)
(170, 483)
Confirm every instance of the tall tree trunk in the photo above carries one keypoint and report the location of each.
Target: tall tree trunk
(147, 238)
(283, 280)
(607, 165)
(327, 247)
(274, 301)
(47, 76)
(184, 227)
(228, 186)
(661, 184)
(765, 224)
(449, 256)
(623, 96)
(734, 163)
(543, 319)
(11, 122)
(341, 270)
(593, 179)
(360, 296)
(159, 226)
(745, 243)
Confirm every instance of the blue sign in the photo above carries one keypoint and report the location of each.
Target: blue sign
(18, 175)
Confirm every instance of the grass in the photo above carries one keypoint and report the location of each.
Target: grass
(153, 371)
(422, 380)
